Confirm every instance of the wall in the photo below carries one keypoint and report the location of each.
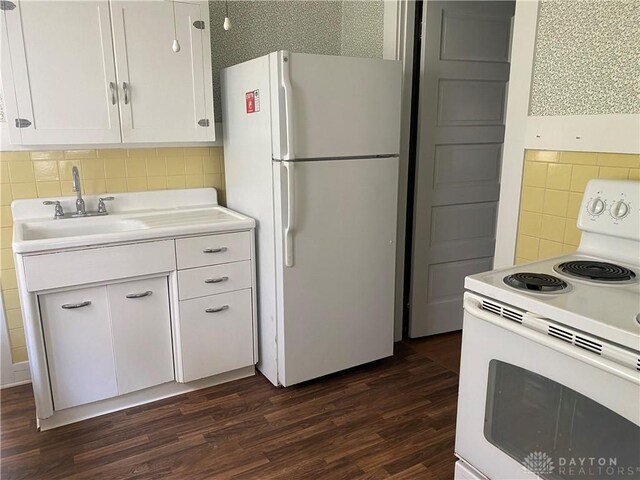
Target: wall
(48, 174)
(261, 27)
(553, 185)
(586, 58)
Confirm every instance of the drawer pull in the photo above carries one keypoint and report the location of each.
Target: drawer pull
(216, 280)
(215, 250)
(140, 294)
(69, 306)
(216, 310)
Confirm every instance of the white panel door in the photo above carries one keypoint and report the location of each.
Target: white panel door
(141, 333)
(77, 335)
(62, 72)
(336, 106)
(337, 283)
(163, 94)
(465, 70)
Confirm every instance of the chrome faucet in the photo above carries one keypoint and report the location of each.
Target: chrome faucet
(80, 208)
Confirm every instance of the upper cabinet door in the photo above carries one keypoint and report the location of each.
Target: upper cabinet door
(165, 95)
(61, 69)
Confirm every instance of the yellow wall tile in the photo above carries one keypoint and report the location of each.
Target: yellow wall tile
(78, 154)
(21, 172)
(142, 152)
(6, 218)
(8, 156)
(8, 278)
(535, 174)
(116, 185)
(47, 155)
(619, 160)
(157, 183)
(613, 173)
(193, 165)
(194, 181)
(634, 174)
(527, 247)
(48, 189)
(196, 151)
(176, 181)
(556, 202)
(136, 167)
(19, 354)
(4, 172)
(520, 261)
(541, 156)
(532, 199)
(65, 167)
(580, 175)
(5, 194)
(14, 318)
(16, 336)
(11, 298)
(559, 176)
(6, 258)
(46, 170)
(156, 166)
(23, 190)
(575, 201)
(549, 249)
(175, 166)
(571, 233)
(138, 184)
(112, 153)
(578, 158)
(552, 228)
(214, 180)
(530, 223)
(115, 168)
(6, 236)
(92, 168)
(568, 249)
(94, 186)
(212, 164)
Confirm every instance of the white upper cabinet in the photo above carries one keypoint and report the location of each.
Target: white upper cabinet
(63, 67)
(100, 72)
(165, 95)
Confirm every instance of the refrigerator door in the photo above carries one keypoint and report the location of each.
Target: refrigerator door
(335, 264)
(334, 107)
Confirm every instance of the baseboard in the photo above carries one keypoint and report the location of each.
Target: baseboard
(21, 375)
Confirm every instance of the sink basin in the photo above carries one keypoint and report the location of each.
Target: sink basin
(77, 227)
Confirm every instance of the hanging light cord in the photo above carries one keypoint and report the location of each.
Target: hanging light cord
(176, 45)
(227, 22)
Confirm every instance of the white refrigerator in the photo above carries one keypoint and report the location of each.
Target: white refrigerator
(311, 152)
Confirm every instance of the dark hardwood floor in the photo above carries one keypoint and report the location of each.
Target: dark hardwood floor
(394, 418)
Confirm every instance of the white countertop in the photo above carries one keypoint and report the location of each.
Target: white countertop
(132, 217)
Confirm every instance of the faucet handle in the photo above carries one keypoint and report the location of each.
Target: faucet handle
(59, 211)
(102, 208)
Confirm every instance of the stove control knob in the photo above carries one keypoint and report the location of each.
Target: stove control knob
(596, 206)
(619, 210)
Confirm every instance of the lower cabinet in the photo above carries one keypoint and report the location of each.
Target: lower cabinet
(107, 341)
(216, 333)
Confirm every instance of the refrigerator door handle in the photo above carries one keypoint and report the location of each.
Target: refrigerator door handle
(288, 231)
(288, 110)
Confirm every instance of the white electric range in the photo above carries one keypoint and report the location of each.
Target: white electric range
(550, 368)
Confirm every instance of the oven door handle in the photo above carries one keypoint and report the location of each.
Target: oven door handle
(472, 306)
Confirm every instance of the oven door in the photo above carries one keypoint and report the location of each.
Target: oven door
(532, 403)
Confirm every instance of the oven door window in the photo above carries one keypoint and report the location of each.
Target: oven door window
(557, 432)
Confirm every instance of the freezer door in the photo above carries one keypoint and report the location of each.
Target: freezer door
(330, 107)
(335, 264)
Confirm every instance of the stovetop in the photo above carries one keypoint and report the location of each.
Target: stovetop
(607, 310)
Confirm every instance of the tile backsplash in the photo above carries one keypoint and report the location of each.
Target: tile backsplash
(553, 184)
(48, 174)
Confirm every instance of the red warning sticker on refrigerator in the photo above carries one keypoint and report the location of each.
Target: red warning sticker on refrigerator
(252, 101)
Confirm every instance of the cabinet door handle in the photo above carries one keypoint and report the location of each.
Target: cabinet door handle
(125, 89)
(216, 280)
(214, 250)
(112, 87)
(140, 294)
(69, 306)
(218, 309)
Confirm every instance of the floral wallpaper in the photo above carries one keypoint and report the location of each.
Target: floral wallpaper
(587, 58)
(330, 27)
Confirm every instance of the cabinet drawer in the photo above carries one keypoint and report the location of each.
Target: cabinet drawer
(198, 282)
(63, 269)
(216, 334)
(213, 249)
